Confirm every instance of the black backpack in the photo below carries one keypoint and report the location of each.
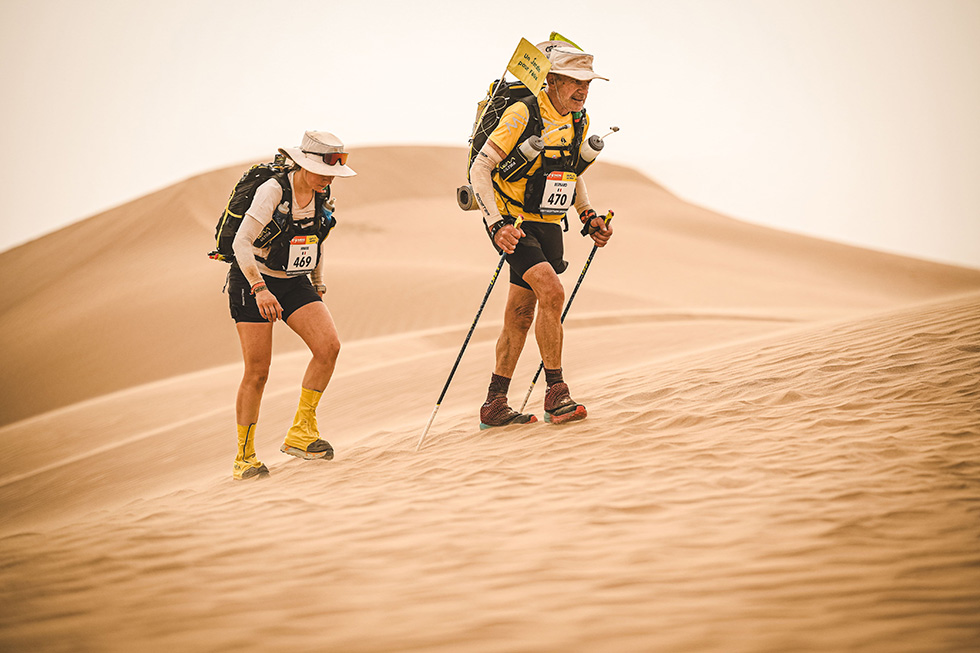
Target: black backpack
(241, 198)
(239, 201)
(501, 95)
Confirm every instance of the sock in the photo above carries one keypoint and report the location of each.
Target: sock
(499, 385)
(553, 376)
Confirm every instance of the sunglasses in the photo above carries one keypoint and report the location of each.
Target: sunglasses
(330, 158)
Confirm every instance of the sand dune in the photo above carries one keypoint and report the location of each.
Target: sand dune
(782, 453)
(131, 298)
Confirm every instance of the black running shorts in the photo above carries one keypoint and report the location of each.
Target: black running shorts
(292, 293)
(542, 243)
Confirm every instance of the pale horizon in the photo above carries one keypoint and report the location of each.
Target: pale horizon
(854, 122)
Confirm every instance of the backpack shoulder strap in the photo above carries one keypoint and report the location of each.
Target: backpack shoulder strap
(578, 134)
(535, 125)
(326, 221)
(282, 177)
(319, 198)
(580, 125)
(324, 196)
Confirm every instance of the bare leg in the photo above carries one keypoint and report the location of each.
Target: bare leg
(256, 341)
(547, 328)
(314, 324)
(518, 315)
(559, 407)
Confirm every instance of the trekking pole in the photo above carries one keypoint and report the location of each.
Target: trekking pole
(607, 218)
(493, 280)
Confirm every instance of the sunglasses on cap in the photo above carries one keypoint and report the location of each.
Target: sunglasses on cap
(330, 158)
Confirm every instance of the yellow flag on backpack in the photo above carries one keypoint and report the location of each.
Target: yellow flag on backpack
(555, 36)
(529, 65)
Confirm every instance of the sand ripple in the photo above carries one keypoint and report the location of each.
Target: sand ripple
(813, 490)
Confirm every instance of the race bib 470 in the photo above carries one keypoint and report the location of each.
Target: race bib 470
(559, 187)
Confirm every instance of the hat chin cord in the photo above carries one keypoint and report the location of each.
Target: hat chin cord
(554, 101)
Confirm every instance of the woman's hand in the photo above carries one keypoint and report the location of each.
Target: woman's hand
(269, 307)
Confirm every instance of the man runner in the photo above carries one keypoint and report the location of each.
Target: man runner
(535, 249)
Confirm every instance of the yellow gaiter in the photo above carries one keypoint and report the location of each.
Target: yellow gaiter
(304, 430)
(246, 463)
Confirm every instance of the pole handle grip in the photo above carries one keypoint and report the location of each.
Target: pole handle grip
(588, 229)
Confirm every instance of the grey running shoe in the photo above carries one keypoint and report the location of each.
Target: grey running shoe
(246, 471)
(316, 450)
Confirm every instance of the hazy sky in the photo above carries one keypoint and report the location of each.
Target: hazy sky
(855, 120)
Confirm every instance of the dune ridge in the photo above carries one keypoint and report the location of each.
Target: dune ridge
(782, 452)
(133, 284)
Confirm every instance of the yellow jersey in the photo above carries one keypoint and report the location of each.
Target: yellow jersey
(506, 136)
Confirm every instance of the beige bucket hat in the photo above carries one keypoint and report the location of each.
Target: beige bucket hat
(321, 153)
(571, 62)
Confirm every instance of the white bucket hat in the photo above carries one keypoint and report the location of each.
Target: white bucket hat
(321, 153)
(571, 62)
(548, 46)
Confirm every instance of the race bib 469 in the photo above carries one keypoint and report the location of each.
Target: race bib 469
(302, 254)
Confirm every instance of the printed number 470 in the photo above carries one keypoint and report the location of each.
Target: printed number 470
(558, 199)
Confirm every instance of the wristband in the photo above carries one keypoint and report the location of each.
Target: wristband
(586, 217)
(496, 226)
(259, 287)
(588, 229)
